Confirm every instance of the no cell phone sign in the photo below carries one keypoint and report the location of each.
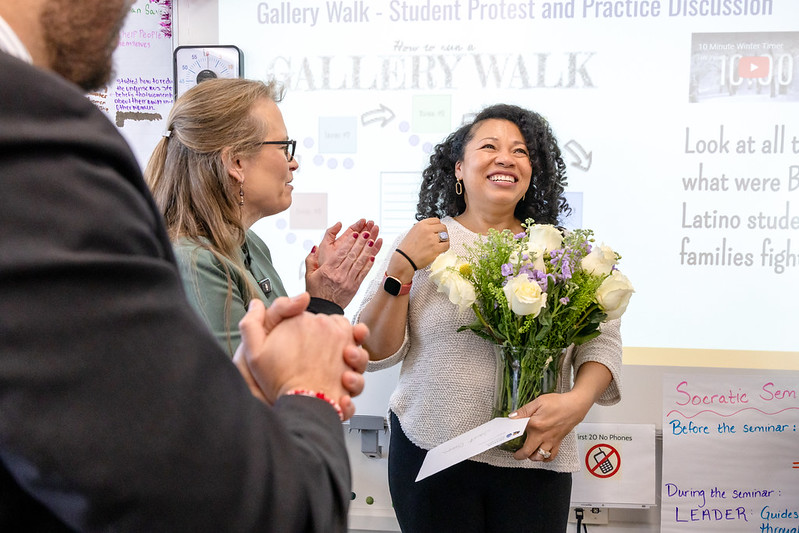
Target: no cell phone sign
(603, 461)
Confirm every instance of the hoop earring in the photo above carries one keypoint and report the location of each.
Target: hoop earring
(241, 194)
(459, 187)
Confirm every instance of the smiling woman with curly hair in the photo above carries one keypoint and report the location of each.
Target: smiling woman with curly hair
(543, 200)
(496, 172)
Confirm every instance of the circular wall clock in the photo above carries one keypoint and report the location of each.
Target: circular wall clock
(193, 64)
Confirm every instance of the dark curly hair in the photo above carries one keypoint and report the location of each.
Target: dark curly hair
(544, 200)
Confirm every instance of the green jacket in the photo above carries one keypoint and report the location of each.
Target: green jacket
(205, 279)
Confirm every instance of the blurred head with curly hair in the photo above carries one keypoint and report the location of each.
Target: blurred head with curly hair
(506, 154)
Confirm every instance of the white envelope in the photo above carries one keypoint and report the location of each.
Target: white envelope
(469, 444)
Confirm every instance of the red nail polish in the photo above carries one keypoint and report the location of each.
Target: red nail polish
(372, 259)
(354, 235)
(365, 235)
(371, 243)
(313, 250)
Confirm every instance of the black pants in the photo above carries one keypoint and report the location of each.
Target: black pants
(473, 497)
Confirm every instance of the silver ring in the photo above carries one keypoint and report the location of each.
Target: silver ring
(543, 453)
(443, 236)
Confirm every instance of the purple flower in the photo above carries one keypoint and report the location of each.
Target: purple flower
(567, 270)
(541, 278)
(526, 269)
(562, 260)
(507, 269)
(519, 235)
(564, 300)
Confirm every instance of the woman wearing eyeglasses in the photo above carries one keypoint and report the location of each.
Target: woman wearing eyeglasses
(225, 162)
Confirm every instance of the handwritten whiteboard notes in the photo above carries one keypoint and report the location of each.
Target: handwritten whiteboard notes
(139, 97)
(730, 453)
(142, 98)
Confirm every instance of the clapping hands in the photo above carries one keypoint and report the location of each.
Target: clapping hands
(285, 348)
(335, 269)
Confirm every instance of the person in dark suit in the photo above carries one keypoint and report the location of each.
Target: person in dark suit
(118, 409)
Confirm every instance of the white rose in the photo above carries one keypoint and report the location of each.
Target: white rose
(614, 294)
(600, 261)
(439, 265)
(545, 236)
(524, 296)
(536, 254)
(458, 289)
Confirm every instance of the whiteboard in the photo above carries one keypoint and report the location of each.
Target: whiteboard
(730, 453)
(678, 126)
(140, 94)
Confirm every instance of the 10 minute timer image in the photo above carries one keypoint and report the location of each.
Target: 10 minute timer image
(194, 64)
(754, 67)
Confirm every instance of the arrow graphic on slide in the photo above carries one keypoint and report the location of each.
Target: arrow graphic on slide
(383, 114)
(583, 159)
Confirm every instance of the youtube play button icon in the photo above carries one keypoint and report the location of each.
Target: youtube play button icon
(753, 67)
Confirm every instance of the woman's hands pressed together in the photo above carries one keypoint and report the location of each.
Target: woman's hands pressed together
(284, 348)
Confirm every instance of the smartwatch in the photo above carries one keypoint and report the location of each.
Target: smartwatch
(394, 287)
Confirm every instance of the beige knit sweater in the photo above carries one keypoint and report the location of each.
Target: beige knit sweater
(447, 381)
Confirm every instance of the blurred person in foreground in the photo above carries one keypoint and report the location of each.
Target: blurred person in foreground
(118, 409)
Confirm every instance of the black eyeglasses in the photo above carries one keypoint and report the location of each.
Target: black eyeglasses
(290, 147)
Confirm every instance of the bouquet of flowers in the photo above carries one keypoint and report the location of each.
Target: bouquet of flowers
(533, 294)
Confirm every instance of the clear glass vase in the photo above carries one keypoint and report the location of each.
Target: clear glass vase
(523, 374)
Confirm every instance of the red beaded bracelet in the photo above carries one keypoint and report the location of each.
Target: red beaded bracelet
(321, 396)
